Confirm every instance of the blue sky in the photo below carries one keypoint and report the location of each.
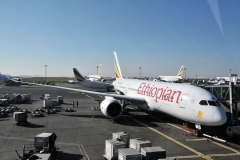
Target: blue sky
(158, 35)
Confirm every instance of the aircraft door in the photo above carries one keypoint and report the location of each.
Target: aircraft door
(183, 101)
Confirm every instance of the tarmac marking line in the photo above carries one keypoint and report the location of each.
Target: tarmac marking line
(83, 152)
(226, 147)
(173, 140)
(210, 155)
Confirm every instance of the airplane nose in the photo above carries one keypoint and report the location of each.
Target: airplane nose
(219, 117)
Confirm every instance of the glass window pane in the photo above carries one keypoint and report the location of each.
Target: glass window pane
(212, 103)
(203, 102)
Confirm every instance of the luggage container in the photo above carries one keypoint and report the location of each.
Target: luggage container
(153, 153)
(47, 103)
(111, 149)
(46, 140)
(128, 154)
(3, 102)
(20, 118)
(138, 143)
(26, 96)
(123, 136)
(17, 98)
(60, 99)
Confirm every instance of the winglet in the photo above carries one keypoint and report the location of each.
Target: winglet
(77, 75)
(100, 70)
(117, 69)
(180, 71)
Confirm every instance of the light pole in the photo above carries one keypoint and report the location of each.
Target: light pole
(185, 72)
(230, 71)
(45, 72)
(97, 69)
(140, 72)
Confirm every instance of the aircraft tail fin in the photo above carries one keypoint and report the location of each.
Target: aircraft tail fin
(100, 70)
(180, 71)
(117, 69)
(78, 75)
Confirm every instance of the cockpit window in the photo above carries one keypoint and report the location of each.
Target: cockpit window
(218, 103)
(212, 103)
(203, 102)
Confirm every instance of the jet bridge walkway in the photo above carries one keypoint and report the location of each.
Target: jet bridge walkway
(228, 95)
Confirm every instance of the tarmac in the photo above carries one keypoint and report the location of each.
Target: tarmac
(81, 135)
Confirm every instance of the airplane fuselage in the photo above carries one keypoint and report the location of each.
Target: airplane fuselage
(170, 78)
(186, 102)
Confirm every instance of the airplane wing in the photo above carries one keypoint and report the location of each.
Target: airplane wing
(118, 97)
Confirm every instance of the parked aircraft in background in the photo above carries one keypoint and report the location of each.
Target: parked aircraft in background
(189, 103)
(171, 78)
(222, 80)
(97, 77)
(91, 84)
(7, 79)
(71, 82)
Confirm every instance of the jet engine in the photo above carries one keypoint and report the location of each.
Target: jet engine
(111, 107)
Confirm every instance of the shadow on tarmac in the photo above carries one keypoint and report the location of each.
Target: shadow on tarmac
(59, 155)
(33, 125)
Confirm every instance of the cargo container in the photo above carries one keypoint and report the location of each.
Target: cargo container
(153, 153)
(60, 99)
(128, 154)
(138, 143)
(123, 136)
(20, 118)
(111, 149)
(46, 140)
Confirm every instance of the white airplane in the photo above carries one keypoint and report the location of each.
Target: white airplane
(8, 80)
(97, 77)
(221, 80)
(71, 82)
(189, 103)
(171, 78)
(91, 84)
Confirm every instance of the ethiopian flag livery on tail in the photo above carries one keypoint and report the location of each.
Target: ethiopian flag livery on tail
(100, 70)
(180, 71)
(78, 75)
(117, 69)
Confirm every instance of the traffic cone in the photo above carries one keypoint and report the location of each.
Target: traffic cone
(92, 118)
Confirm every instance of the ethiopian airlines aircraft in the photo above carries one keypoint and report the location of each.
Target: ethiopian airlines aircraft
(97, 77)
(171, 78)
(189, 103)
(91, 84)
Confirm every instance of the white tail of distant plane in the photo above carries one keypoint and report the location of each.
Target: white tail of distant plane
(100, 70)
(117, 68)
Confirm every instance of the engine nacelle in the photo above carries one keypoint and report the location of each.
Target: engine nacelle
(111, 107)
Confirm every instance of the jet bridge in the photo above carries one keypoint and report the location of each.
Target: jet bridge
(228, 95)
